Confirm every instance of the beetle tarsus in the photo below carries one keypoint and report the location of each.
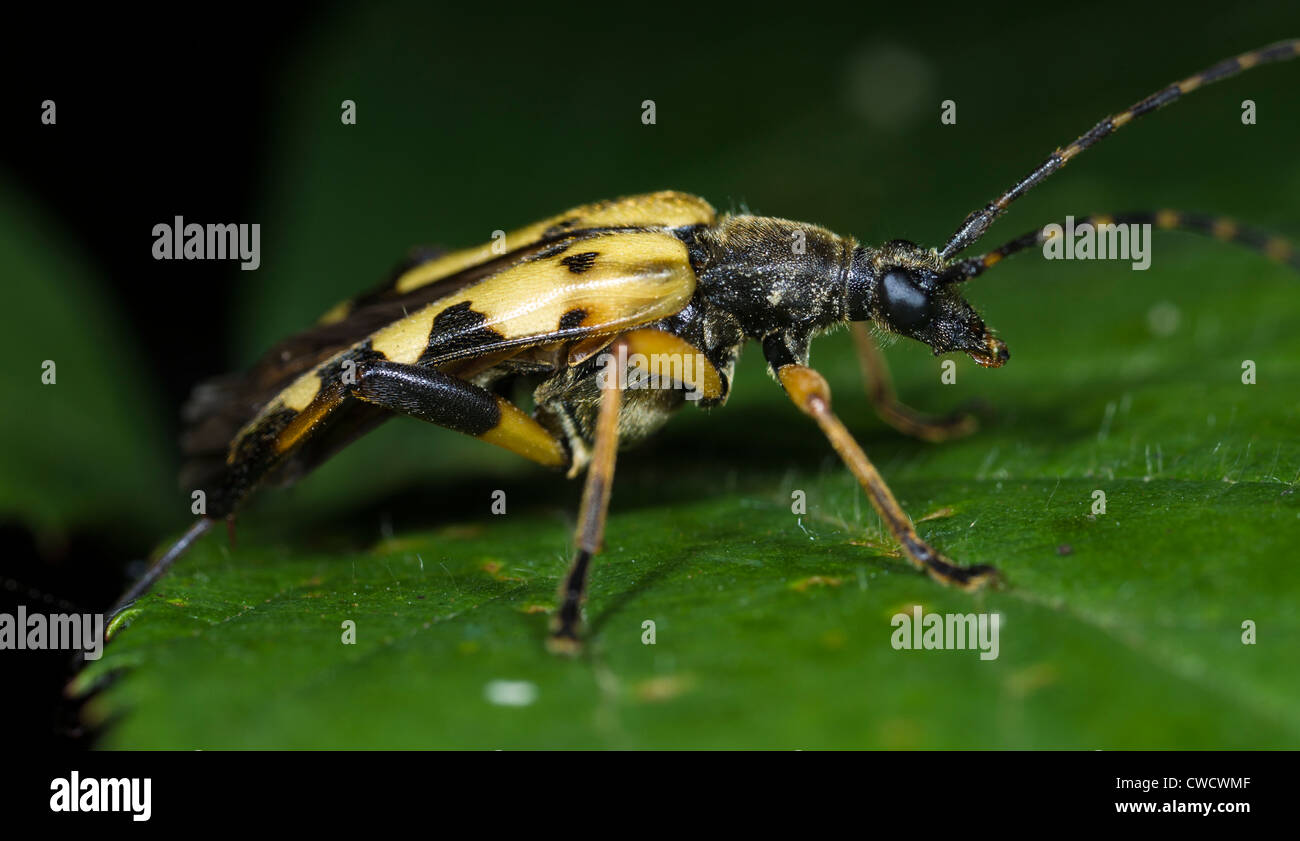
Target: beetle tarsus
(564, 641)
(970, 579)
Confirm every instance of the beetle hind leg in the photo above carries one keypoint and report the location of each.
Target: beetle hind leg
(909, 421)
(453, 403)
(159, 567)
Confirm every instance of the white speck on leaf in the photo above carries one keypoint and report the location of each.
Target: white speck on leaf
(510, 693)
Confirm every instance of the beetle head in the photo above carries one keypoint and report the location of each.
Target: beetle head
(900, 287)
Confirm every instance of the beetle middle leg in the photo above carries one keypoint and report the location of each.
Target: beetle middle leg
(454, 403)
(880, 388)
(810, 393)
(590, 532)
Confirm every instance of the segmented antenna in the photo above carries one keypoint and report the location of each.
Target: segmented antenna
(1220, 227)
(979, 221)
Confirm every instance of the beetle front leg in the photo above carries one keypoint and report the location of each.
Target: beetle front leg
(880, 388)
(810, 393)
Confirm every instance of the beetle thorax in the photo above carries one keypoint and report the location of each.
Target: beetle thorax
(773, 274)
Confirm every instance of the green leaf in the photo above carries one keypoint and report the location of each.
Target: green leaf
(774, 629)
(1118, 630)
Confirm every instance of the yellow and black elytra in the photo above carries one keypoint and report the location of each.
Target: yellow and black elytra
(452, 333)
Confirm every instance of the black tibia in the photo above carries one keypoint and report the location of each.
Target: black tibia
(569, 618)
(880, 388)
(590, 531)
(428, 395)
(809, 392)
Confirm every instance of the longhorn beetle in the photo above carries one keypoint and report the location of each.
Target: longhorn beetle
(660, 274)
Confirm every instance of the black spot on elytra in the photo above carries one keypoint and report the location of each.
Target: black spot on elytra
(561, 227)
(457, 330)
(579, 263)
(552, 250)
(572, 318)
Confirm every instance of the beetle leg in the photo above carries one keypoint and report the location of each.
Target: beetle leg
(809, 392)
(698, 374)
(420, 392)
(880, 388)
(590, 532)
(453, 403)
(160, 566)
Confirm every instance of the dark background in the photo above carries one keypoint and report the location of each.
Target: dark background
(109, 169)
(801, 112)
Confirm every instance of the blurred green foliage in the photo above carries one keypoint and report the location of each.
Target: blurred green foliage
(81, 428)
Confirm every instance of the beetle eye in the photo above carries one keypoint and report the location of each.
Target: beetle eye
(906, 304)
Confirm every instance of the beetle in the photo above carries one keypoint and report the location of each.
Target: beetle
(570, 299)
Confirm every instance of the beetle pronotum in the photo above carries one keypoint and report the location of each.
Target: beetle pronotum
(661, 273)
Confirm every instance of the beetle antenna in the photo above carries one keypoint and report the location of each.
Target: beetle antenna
(160, 566)
(978, 222)
(1220, 227)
